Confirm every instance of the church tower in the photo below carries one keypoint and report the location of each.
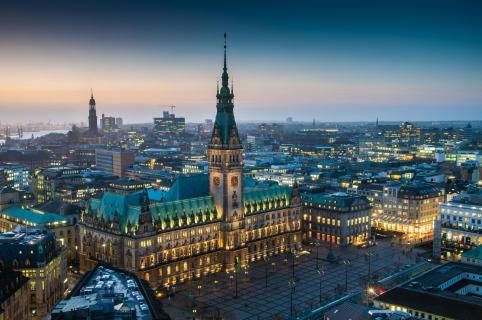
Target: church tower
(92, 115)
(225, 157)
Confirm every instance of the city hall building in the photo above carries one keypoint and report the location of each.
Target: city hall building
(202, 224)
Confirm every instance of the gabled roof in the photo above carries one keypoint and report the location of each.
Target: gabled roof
(167, 213)
(255, 198)
(192, 211)
(126, 205)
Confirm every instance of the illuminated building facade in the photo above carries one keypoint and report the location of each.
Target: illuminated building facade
(202, 224)
(411, 209)
(336, 218)
(408, 208)
(64, 227)
(14, 175)
(461, 222)
(46, 181)
(448, 291)
(14, 295)
(108, 124)
(37, 254)
(169, 125)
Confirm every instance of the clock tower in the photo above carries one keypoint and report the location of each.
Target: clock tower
(225, 158)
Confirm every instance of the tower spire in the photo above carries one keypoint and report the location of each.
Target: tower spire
(92, 114)
(225, 131)
(225, 68)
(225, 77)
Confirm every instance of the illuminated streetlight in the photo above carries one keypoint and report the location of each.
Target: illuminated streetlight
(321, 273)
(291, 285)
(266, 259)
(347, 264)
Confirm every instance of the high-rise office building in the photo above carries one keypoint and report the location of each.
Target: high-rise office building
(107, 124)
(169, 126)
(119, 122)
(113, 161)
(14, 175)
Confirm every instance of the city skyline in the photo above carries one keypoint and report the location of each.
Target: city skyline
(332, 62)
(219, 160)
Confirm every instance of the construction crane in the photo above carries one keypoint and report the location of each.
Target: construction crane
(169, 106)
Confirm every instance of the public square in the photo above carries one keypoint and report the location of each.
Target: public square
(264, 290)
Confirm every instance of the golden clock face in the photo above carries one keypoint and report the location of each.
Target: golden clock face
(216, 181)
(234, 181)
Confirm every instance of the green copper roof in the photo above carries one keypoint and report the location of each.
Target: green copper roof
(225, 132)
(225, 123)
(33, 216)
(475, 253)
(175, 214)
(186, 187)
(168, 214)
(127, 206)
(260, 199)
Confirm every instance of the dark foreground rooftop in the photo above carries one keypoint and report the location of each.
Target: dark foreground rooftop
(442, 291)
(107, 293)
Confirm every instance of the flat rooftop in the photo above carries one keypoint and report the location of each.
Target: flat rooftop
(107, 291)
(33, 216)
(438, 291)
(24, 236)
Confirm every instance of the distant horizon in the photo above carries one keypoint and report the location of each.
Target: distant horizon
(332, 61)
(245, 114)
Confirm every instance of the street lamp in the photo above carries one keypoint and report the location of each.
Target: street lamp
(321, 273)
(235, 283)
(266, 260)
(293, 252)
(317, 256)
(347, 264)
(291, 285)
(369, 255)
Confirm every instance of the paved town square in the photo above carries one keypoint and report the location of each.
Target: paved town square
(216, 294)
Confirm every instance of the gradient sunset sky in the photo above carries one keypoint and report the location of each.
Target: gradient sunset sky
(329, 60)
